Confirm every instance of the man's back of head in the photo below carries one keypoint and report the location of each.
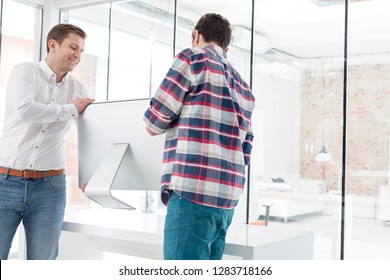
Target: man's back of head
(215, 28)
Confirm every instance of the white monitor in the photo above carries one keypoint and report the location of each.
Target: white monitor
(116, 152)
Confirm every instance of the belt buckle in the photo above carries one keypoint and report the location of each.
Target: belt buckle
(22, 174)
(25, 175)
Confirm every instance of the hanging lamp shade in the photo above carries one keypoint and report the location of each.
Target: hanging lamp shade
(323, 155)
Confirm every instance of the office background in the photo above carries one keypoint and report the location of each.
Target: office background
(294, 59)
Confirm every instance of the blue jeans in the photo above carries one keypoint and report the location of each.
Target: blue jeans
(193, 231)
(40, 205)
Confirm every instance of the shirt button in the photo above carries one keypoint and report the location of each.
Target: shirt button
(36, 147)
(58, 120)
(43, 131)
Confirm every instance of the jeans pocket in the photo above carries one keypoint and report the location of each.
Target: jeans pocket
(57, 183)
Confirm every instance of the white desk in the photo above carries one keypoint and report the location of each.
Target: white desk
(86, 233)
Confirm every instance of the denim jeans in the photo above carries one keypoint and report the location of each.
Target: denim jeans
(40, 205)
(193, 231)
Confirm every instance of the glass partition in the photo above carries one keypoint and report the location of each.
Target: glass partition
(128, 51)
(17, 41)
(128, 47)
(367, 174)
(141, 48)
(18, 44)
(298, 84)
(298, 76)
(93, 72)
(93, 67)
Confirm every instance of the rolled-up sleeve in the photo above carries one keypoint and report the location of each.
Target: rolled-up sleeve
(166, 105)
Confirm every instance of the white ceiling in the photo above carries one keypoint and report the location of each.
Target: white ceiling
(306, 30)
(300, 30)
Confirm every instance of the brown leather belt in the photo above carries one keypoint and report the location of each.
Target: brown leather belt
(31, 174)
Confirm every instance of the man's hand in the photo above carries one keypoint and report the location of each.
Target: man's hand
(82, 103)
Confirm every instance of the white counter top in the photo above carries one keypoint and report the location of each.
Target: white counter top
(246, 241)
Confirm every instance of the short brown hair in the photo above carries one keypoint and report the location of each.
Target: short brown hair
(61, 31)
(215, 28)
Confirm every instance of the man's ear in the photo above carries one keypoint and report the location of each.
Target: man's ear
(52, 44)
(196, 37)
(226, 50)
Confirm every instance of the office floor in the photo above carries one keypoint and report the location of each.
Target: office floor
(364, 238)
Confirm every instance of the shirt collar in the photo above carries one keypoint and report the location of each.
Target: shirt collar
(216, 48)
(49, 73)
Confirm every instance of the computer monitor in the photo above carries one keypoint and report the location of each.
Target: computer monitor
(116, 152)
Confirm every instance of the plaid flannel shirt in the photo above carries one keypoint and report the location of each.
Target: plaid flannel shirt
(204, 107)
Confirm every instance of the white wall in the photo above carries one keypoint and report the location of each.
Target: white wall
(276, 120)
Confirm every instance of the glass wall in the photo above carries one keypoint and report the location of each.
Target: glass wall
(128, 51)
(303, 156)
(128, 47)
(93, 72)
(135, 42)
(18, 44)
(93, 67)
(18, 41)
(296, 164)
(141, 48)
(367, 153)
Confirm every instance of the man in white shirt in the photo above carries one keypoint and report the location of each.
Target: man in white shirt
(42, 100)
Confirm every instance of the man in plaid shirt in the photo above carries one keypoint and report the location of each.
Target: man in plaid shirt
(204, 107)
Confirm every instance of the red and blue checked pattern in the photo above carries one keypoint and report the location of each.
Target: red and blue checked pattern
(204, 107)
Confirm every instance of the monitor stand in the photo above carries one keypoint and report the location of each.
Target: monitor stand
(99, 186)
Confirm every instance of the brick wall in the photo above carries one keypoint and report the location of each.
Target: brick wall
(367, 126)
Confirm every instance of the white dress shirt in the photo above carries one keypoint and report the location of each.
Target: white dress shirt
(38, 116)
